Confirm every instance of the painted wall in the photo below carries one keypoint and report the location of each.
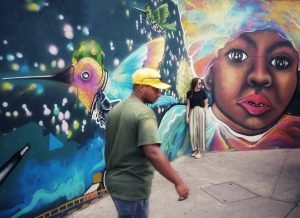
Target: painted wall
(247, 53)
(64, 64)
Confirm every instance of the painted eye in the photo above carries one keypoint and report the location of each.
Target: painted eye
(237, 55)
(280, 63)
(85, 75)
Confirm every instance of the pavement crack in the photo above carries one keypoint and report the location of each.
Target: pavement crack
(279, 175)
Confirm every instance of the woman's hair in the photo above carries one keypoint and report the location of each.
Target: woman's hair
(209, 25)
(194, 83)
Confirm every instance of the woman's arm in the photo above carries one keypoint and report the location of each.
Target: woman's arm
(206, 104)
(187, 120)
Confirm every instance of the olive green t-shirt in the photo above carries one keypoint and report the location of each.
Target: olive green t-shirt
(130, 124)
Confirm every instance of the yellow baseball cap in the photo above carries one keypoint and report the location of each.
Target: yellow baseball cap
(148, 76)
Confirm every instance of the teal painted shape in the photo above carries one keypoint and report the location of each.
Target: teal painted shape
(54, 143)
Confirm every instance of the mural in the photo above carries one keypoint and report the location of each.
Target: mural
(65, 63)
(247, 52)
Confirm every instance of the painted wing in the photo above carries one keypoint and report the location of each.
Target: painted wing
(164, 100)
(161, 14)
(150, 55)
(174, 133)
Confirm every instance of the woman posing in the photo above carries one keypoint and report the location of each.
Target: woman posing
(195, 115)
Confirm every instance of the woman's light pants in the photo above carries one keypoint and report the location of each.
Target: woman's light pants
(197, 128)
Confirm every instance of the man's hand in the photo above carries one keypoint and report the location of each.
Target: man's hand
(162, 165)
(183, 191)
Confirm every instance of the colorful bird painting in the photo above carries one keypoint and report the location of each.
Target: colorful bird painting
(99, 90)
(157, 18)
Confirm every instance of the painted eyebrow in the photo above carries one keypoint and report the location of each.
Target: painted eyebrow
(285, 43)
(281, 44)
(248, 39)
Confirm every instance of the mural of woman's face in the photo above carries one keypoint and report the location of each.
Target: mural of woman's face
(253, 79)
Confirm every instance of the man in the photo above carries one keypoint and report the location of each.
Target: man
(132, 148)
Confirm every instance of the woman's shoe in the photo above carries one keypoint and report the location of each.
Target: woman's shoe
(198, 155)
(194, 153)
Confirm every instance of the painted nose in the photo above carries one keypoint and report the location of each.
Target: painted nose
(260, 75)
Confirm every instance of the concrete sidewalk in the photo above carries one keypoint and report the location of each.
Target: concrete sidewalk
(248, 184)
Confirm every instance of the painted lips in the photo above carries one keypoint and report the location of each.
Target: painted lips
(256, 104)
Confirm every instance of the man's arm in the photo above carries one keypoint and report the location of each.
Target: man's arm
(162, 165)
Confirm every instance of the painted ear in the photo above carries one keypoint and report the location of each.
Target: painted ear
(208, 80)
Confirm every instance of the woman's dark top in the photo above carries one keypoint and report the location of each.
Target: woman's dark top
(196, 98)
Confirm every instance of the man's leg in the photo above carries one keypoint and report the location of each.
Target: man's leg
(132, 209)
